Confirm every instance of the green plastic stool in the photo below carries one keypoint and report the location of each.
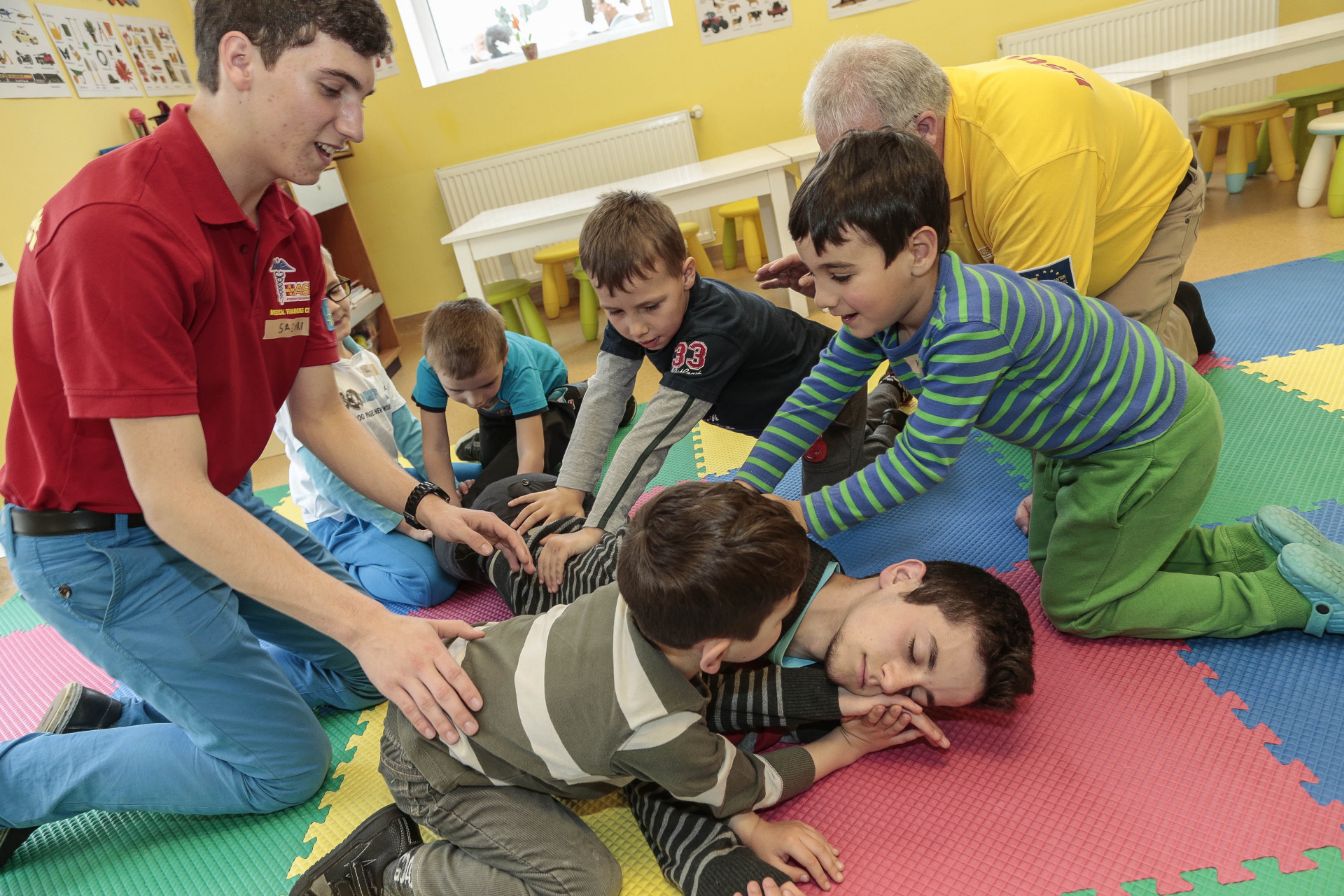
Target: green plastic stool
(587, 303)
(1305, 103)
(509, 297)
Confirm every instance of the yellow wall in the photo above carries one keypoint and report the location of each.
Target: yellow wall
(749, 89)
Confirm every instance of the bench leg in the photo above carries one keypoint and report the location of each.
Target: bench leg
(550, 295)
(1335, 197)
(1236, 157)
(729, 243)
(1208, 150)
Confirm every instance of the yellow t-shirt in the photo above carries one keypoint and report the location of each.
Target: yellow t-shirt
(1051, 166)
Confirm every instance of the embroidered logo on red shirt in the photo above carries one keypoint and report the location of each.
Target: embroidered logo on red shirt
(285, 290)
(689, 357)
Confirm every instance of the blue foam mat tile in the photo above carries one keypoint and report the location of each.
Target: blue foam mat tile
(966, 517)
(1292, 683)
(1313, 288)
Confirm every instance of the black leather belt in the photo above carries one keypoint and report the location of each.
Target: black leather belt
(1190, 174)
(68, 522)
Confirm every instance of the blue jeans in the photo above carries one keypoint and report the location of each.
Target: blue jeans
(221, 721)
(390, 566)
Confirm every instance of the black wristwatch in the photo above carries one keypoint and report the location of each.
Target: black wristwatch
(417, 495)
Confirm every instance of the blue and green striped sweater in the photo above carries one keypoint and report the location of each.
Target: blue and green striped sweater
(1028, 361)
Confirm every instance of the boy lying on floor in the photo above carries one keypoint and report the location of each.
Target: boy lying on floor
(605, 691)
(943, 634)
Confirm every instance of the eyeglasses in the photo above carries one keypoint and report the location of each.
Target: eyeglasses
(340, 290)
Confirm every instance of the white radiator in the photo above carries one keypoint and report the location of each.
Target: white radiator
(587, 160)
(1156, 26)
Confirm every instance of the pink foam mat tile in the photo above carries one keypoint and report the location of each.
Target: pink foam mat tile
(472, 603)
(34, 665)
(1122, 766)
(1206, 362)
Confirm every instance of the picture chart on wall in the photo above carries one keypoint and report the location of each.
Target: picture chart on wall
(157, 57)
(93, 56)
(28, 66)
(726, 19)
(838, 9)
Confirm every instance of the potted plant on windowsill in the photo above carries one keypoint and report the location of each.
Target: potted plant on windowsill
(522, 34)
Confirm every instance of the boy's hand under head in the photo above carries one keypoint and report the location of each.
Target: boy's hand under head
(792, 847)
(880, 712)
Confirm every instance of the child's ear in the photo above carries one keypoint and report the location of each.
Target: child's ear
(688, 272)
(712, 651)
(923, 248)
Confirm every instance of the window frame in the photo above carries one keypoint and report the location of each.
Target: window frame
(431, 60)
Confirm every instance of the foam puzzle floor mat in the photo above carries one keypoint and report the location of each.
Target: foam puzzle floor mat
(1206, 767)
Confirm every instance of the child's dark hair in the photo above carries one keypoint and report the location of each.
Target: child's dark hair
(709, 560)
(885, 183)
(463, 336)
(968, 594)
(626, 236)
(276, 27)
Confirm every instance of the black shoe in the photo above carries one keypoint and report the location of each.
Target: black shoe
(76, 708)
(882, 436)
(574, 393)
(887, 395)
(1189, 301)
(356, 866)
(468, 447)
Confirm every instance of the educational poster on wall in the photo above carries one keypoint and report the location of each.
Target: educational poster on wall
(157, 57)
(384, 67)
(93, 56)
(727, 19)
(841, 8)
(7, 275)
(28, 66)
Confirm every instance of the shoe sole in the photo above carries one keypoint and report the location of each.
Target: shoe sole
(338, 856)
(1312, 572)
(1279, 526)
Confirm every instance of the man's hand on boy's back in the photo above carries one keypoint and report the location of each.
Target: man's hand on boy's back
(795, 848)
(788, 272)
(483, 532)
(557, 549)
(540, 508)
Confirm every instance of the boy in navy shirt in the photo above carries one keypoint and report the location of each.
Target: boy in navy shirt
(726, 356)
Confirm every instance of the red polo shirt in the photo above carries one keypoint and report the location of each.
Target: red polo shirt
(144, 291)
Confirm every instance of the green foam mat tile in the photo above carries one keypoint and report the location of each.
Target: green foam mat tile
(1268, 879)
(153, 854)
(17, 616)
(1277, 449)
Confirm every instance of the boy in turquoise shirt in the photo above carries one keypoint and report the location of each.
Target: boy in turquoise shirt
(1125, 435)
(517, 384)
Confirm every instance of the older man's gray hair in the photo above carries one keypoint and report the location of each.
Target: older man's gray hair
(867, 82)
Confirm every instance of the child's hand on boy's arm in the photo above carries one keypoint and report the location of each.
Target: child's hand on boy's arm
(797, 849)
(556, 549)
(407, 529)
(788, 272)
(540, 508)
(770, 887)
(887, 709)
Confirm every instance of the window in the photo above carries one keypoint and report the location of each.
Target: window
(453, 39)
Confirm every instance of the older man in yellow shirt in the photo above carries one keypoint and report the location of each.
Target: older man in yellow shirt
(1053, 171)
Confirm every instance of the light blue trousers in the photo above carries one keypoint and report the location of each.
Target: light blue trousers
(222, 721)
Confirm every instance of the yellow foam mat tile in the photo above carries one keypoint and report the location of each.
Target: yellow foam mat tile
(360, 791)
(1318, 374)
(719, 451)
(290, 511)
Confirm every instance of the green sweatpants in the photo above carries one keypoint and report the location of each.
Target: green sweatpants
(1111, 537)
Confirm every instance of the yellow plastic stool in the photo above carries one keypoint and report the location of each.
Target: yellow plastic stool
(587, 303)
(510, 297)
(554, 286)
(1240, 122)
(691, 231)
(1306, 103)
(748, 211)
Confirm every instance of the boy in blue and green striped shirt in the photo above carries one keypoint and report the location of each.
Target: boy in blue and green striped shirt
(1125, 435)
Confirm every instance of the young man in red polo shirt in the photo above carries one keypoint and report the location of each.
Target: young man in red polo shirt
(169, 301)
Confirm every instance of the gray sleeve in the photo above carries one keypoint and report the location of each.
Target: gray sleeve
(599, 417)
(669, 417)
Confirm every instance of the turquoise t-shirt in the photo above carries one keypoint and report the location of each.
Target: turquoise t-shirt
(534, 373)
(776, 654)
